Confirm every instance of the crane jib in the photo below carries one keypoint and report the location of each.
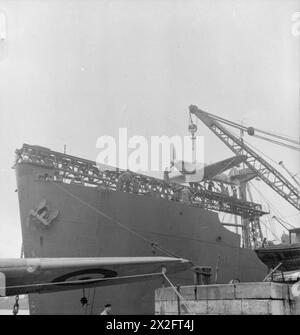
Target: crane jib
(255, 162)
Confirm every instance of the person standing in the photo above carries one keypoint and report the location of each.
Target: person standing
(186, 195)
(126, 178)
(107, 310)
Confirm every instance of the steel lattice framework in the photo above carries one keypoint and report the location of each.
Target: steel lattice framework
(67, 168)
(255, 162)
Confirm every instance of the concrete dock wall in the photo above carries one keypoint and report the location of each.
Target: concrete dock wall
(263, 298)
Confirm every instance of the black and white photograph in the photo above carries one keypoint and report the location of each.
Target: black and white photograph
(150, 160)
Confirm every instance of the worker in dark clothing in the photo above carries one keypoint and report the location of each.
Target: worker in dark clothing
(210, 186)
(125, 180)
(264, 242)
(135, 185)
(177, 193)
(186, 195)
(166, 175)
(234, 191)
(107, 310)
(226, 191)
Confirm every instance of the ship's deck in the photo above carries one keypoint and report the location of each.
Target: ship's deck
(67, 168)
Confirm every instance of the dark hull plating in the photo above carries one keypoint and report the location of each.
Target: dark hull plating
(80, 231)
(287, 255)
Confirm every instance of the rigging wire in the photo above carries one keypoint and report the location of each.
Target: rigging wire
(273, 209)
(282, 224)
(93, 300)
(254, 148)
(270, 230)
(287, 223)
(277, 142)
(80, 281)
(271, 159)
(88, 299)
(265, 199)
(281, 136)
(241, 127)
(106, 216)
(230, 123)
(152, 244)
(284, 135)
(291, 216)
(271, 224)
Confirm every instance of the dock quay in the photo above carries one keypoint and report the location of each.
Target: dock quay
(257, 298)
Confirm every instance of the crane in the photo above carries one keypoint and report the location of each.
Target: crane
(283, 223)
(289, 172)
(255, 162)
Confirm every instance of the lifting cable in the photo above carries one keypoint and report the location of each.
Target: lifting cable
(244, 128)
(282, 225)
(289, 224)
(277, 142)
(282, 137)
(254, 148)
(270, 230)
(271, 205)
(274, 210)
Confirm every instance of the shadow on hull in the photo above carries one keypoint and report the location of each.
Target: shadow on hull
(79, 231)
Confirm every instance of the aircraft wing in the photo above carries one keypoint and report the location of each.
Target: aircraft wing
(214, 169)
(244, 175)
(41, 275)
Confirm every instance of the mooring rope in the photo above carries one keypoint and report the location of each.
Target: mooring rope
(92, 281)
(177, 293)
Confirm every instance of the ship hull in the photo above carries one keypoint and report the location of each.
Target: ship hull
(94, 222)
(287, 255)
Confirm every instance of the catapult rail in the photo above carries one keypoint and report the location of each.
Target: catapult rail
(69, 168)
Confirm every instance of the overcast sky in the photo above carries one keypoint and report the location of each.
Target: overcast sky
(71, 71)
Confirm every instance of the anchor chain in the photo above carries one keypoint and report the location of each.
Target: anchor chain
(16, 305)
